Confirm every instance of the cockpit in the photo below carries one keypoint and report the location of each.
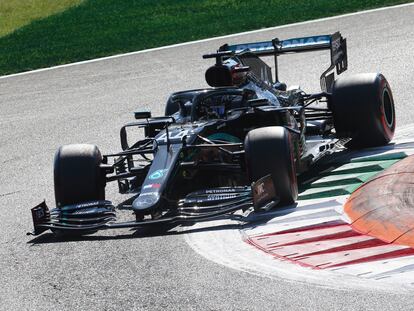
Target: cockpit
(216, 106)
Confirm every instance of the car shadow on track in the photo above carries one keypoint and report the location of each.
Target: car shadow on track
(141, 233)
(238, 223)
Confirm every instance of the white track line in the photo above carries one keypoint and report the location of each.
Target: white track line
(209, 39)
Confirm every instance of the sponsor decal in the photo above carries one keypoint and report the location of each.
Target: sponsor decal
(264, 192)
(146, 194)
(218, 191)
(336, 50)
(298, 42)
(289, 43)
(218, 197)
(258, 46)
(152, 186)
(88, 204)
(146, 200)
(336, 44)
(92, 210)
(260, 189)
(40, 213)
(158, 174)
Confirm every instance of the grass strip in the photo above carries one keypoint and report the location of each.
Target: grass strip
(97, 28)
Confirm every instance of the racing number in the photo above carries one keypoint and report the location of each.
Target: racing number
(173, 136)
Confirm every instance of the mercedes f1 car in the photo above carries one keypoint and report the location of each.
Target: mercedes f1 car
(237, 145)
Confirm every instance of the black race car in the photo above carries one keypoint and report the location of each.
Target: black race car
(238, 145)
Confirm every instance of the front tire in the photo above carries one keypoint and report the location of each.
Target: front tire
(77, 175)
(269, 150)
(363, 109)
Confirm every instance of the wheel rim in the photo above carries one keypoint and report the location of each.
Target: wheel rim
(388, 109)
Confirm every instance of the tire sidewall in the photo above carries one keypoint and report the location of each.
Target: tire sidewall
(358, 107)
(77, 175)
(275, 157)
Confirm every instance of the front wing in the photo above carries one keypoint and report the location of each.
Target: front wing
(90, 217)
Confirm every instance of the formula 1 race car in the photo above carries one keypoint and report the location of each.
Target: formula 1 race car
(238, 145)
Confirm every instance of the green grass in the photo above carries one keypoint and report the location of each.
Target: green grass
(97, 28)
(17, 13)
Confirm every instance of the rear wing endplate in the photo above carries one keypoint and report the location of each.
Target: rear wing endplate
(334, 42)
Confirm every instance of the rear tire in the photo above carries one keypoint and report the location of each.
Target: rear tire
(77, 175)
(363, 109)
(269, 150)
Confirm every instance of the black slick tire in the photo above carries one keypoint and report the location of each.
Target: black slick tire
(269, 150)
(363, 109)
(77, 174)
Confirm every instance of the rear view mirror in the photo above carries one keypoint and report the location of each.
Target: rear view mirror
(142, 114)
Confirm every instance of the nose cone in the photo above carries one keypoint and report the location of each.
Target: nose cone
(146, 201)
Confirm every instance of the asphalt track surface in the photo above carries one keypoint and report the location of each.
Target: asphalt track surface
(122, 270)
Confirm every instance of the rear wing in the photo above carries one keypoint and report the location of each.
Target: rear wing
(334, 42)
